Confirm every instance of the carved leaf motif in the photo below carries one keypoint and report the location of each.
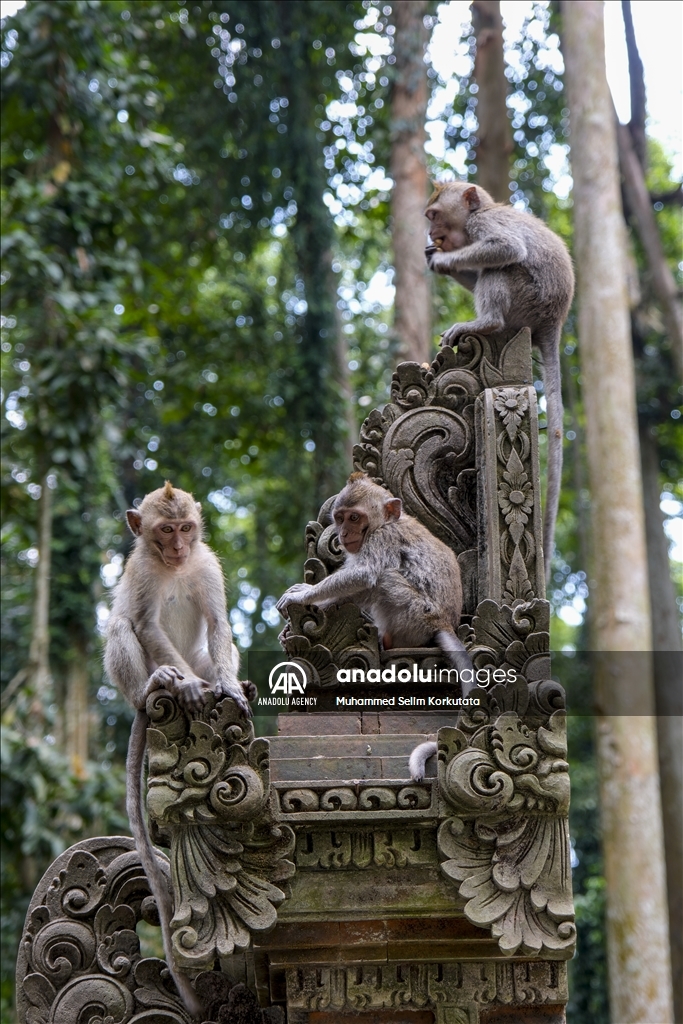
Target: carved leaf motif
(421, 454)
(223, 890)
(515, 875)
(40, 995)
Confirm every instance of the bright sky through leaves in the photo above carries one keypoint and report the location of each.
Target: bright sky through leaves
(659, 29)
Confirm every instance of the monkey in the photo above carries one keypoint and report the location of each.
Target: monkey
(404, 577)
(521, 275)
(169, 602)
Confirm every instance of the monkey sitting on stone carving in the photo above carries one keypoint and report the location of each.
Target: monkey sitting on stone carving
(406, 579)
(168, 630)
(521, 275)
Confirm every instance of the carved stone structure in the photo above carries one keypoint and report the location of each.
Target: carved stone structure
(313, 881)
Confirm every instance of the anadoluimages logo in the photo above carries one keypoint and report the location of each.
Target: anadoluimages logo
(288, 678)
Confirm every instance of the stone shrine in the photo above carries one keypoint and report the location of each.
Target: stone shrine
(313, 881)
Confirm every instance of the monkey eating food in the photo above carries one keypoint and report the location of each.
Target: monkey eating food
(168, 630)
(406, 579)
(521, 275)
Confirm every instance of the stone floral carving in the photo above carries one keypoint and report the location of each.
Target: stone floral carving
(209, 791)
(80, 959)
(512, 638)
(505, 783)
(510, 508)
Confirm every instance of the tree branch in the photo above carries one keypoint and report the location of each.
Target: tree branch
(639, 207)
(637, 82)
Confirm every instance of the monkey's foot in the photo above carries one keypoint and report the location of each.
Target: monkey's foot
(241, 693)
(458, 331)
(189, 691)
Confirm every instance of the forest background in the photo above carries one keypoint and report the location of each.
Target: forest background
(202, 204)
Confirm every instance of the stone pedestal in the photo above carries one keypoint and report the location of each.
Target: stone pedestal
(313, 881)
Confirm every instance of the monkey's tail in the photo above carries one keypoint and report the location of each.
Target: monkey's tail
(549, 344)
(418, 759)
(458, 657)
(143, 843)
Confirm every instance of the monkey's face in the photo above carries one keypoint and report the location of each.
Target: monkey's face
(447, 217)
(173, 539)
(352, 525)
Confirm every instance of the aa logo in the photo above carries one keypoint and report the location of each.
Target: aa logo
(287, 677)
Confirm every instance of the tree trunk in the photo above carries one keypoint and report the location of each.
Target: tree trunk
(38, 675)
(76, 714)
(495, 136)
(636, 78)
(344, 383)
(640, 208)
(637, 921)
(408, 169)
(666, 638)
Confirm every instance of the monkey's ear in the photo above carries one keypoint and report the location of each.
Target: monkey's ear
(471, 197)
(134, 520)
(198, 506)
(392, 508)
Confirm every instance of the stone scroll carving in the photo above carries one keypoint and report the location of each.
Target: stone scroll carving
(504, 782)
(209, 793)
(80, 958)
(424, 446)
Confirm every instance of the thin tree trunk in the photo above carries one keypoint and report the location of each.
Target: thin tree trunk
(342, 354)
(495, 136)
(408, 169)
(666, 638)
(76, 717)
(38, 675)
(637, 920)
(637, 83)
(640, 208)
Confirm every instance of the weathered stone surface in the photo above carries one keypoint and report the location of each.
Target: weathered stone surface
(209, 792)
(436, 985)
(80, 961)
(311, 868)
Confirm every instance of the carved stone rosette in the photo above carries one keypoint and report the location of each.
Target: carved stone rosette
(80, 960)
(209, 794)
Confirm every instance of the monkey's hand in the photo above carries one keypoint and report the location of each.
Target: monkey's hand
(300, 593)
(439, 262)
(190, 692)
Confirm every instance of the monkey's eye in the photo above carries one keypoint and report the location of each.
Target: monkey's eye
(354, 517)
(167, 529)
(186, 527)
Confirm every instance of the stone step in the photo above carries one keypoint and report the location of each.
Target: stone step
(393, 745)
(316, 723)
(344, 758)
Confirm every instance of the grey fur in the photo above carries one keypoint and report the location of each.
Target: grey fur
(406, 579)
(169, 630)
(418, 759)
(521, 275)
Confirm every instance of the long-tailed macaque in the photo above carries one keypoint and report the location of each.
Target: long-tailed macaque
(521, 276)
(168, 630)
(406, 579)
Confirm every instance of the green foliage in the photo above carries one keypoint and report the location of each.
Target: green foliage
(197, 286)
(45, 809)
